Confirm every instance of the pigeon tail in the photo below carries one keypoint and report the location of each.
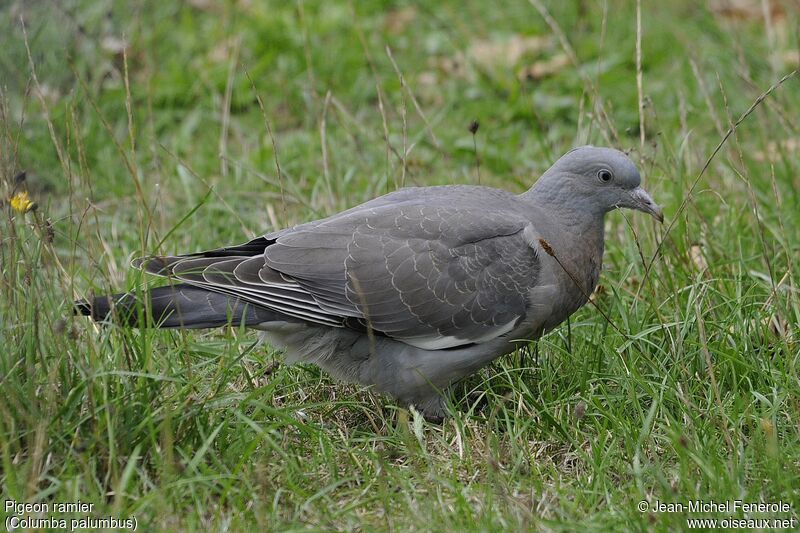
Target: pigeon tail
(174, 306)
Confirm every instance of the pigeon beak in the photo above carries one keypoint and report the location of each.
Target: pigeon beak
(643, 202)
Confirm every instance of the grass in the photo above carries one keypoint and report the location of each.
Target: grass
(161, 126)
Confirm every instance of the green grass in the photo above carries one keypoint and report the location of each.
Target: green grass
(691, 393)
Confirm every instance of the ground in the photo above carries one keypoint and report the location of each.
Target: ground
(178, 126)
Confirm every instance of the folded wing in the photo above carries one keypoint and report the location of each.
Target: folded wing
(433, 276)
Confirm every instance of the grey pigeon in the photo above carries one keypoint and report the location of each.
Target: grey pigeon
(414, 290)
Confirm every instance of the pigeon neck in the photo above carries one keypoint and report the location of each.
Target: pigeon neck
(562, 203)
(575, 229)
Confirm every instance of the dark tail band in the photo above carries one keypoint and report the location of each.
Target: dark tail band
(175, 306)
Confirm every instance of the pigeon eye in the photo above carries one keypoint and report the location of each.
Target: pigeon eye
(604, 175)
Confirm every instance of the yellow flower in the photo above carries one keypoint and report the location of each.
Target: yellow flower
(21, 203)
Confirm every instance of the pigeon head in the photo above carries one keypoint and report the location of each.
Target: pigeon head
(594, 179)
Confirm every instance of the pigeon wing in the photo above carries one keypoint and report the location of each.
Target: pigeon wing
(434, 276)
(446, 268)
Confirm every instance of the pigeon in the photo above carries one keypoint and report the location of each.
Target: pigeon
(409, 292)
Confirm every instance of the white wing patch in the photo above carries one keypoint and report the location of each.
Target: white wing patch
(439, 342)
